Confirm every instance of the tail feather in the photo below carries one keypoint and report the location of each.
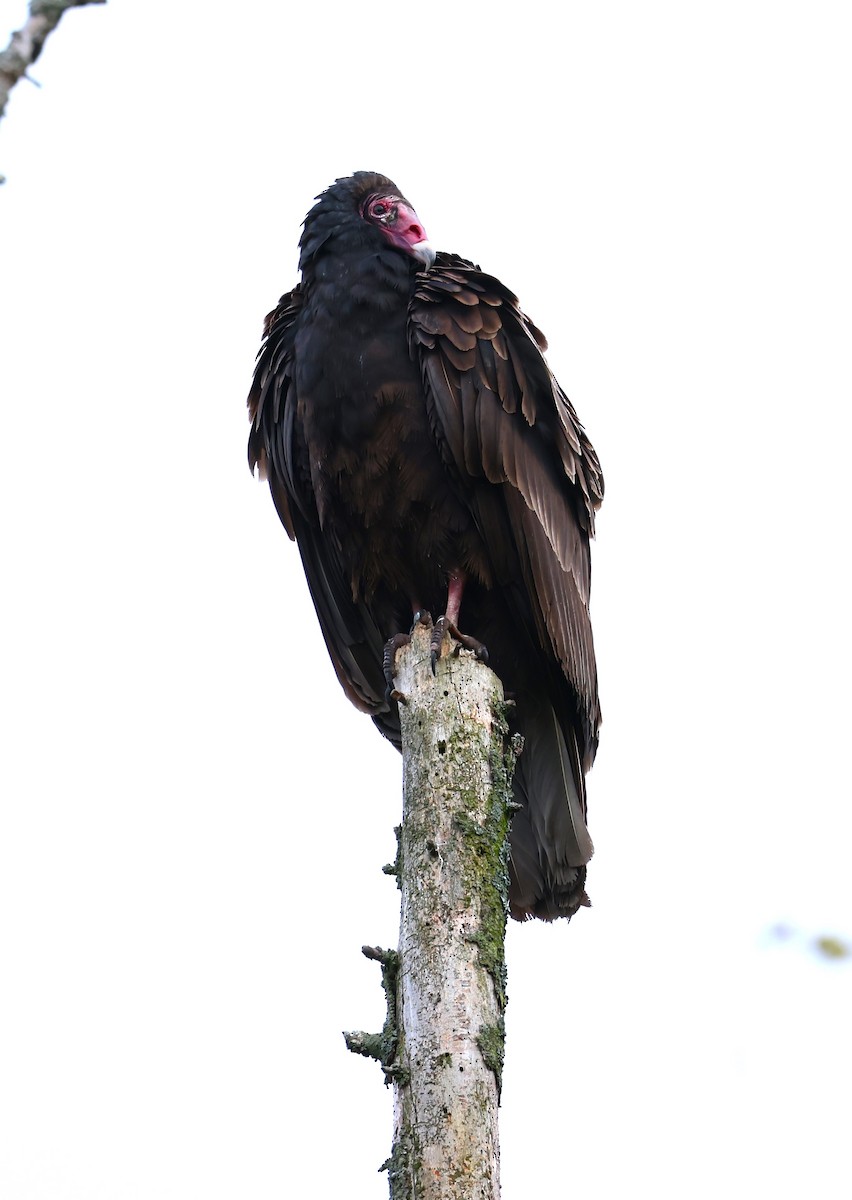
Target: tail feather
(550, 842)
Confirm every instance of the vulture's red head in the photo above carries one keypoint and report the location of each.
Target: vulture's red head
(394, 217)
(365, 207)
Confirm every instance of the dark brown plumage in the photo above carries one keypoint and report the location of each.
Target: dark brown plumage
(411, 432)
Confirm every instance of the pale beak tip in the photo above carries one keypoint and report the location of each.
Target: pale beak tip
(425, 252)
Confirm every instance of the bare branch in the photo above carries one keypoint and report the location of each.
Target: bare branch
(27, 43)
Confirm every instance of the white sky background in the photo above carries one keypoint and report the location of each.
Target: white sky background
(194, 819)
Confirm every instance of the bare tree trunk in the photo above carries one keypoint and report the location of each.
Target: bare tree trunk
(443, 1040)
(451, 977)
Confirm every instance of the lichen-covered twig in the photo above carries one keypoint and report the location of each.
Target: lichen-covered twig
(381, 1046)
(26, 43)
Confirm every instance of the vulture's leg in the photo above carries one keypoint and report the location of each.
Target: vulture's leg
(448, 623)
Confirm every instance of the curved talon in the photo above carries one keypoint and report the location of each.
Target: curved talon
(435, 642)
(422, 617)
(463, 642)
(468, 642)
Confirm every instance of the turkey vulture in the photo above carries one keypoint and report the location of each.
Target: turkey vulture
(423, 457)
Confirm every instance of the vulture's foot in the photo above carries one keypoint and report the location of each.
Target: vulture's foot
(463, 640)
(468, 642)
(421, 617)
(389, 662)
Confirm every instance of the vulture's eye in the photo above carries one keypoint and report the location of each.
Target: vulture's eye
(382, 210)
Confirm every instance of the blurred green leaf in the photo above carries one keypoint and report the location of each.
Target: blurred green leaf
(832, 947)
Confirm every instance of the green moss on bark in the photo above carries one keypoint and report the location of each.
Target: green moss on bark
(404, 1168)
(492, 1044)
(489, 862)
(395, 868)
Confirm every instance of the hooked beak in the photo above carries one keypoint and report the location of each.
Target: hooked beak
(425, 253)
